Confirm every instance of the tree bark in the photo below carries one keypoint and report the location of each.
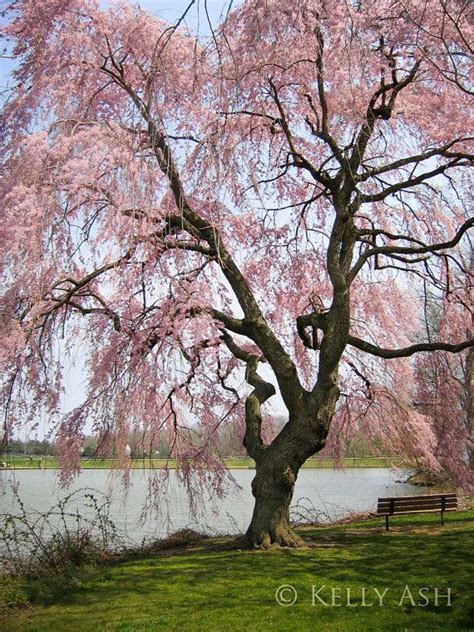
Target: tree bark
(277, 467)
(470, 406)
(273, 488)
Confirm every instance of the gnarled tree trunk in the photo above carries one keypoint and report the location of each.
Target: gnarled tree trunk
(273, 488)
(277, 467)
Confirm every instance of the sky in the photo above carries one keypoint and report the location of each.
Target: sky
(172, 10)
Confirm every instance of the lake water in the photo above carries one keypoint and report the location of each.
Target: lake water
(331, 493)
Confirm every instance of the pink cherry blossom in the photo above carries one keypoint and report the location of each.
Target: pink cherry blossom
(186, 212)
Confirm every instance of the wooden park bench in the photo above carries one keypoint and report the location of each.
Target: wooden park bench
(416, 504)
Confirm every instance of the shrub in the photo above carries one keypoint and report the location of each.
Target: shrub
(34, 544)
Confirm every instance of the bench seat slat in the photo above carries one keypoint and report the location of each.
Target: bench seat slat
(404, 511)
(416, 508)
(417, 505)
(386, 510)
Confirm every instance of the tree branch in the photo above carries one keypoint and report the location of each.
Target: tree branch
(417, 158)
(262, 391)
(407, 250)
(412, 182)
(300, 161)
(281, 362)
(405, 352)
(384, 111)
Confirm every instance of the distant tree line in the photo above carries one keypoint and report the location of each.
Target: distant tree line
(145, 446)
(31, 447)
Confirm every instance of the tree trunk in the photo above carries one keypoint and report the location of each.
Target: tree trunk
(470, 406)
(278, 464)
(273, 488)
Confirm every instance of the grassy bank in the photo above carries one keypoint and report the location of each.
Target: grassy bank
(210, 586)
(49, 462)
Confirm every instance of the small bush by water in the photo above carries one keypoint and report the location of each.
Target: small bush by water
(35, 544)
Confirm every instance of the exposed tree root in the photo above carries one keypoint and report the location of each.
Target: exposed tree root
(281, 536)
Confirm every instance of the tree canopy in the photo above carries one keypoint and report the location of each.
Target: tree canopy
(285, 192)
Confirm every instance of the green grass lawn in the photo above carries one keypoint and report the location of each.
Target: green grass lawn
(210, 587)
(51, 462)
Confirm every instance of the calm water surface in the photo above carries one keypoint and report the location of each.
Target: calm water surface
(333, 493)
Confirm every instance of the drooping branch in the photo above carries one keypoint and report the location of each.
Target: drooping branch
(405, 352)
(459, 23)
(76, 286)
(76, 289)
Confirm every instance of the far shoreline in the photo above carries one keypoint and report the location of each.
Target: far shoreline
(37, 464)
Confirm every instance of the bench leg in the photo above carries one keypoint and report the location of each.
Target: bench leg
(442, 518)
(386, 523)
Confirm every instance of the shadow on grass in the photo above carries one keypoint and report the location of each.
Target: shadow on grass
(210, 583)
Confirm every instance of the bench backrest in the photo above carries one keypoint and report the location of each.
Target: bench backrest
(417, 504)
